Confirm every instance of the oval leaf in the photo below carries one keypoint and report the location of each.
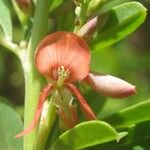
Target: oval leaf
(108, 4)
(86, 134)
(130, 116)
(5, 19)
(122, 20)
(10, 124)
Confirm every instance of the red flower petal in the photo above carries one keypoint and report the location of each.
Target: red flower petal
(110, 86)
(83, 104)
(63, 48)
(44, 94)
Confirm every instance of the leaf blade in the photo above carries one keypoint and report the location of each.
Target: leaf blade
(130, 116)
(10, 125)
(122, 20)
(5, 19)
(86, 134)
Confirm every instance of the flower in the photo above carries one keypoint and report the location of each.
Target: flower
(63, 58)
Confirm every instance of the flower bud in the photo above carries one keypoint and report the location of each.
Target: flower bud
(25, 5)
(87, 30)
(110, 86)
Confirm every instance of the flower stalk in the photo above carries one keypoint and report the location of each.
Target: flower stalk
(47, 119)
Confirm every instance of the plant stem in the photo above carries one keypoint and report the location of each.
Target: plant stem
(10, 46)
(47, 120)
(33, 81)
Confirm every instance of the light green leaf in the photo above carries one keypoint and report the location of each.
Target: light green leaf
(10, 124)
(130, 116)
(86, 134)
(34, 1)
(99, 7)
(122, 20)
(108, 4)
(5, 19)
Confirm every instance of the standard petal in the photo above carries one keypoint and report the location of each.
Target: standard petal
(44, 94)
(63, 48)
(89, 114)
(110, 86)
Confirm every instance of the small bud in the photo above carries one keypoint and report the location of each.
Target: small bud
(87, 30)
(78, 10)
(25, 5)
(110, 86)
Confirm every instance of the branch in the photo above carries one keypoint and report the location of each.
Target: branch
(10, 45)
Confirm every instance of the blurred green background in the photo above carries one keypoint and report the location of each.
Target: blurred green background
(129, 59)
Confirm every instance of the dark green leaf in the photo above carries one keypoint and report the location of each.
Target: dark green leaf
(94, 99)
(130, 116)
(122, 20)
(5, 19)
(138, 135)
(10, 124)
(86, 134)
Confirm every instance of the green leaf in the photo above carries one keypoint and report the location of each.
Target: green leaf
(130, 116)
(137, 135)
(34, 2)
(10, 124)
(5, 19)
(122, 20)
(55, 4)
(99, 7)
(5, 100)
(108, 4)
(86, 134)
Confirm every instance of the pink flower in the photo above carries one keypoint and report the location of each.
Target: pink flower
(64, 59)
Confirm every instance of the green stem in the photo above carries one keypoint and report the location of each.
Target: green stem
(81, 16)
(47, 120)
(33, 80)
(10, 46)
(21, 16)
